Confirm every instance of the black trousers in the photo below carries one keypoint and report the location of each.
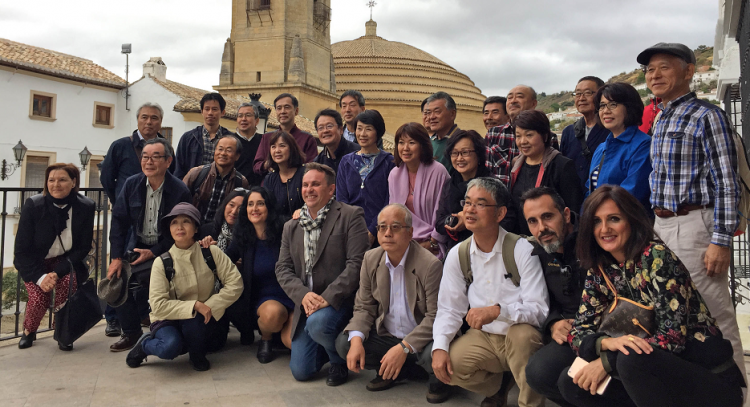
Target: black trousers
(243, 319)
(377, 346)
(544, 368)
(659, 379)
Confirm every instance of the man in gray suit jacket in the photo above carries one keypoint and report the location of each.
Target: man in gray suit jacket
(396, 303)
(318, 268)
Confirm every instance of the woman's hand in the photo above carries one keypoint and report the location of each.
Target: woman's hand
(589, 377)
(460, 226)
(622, 344)
(207, 241)
(49, 282)
(204, 310)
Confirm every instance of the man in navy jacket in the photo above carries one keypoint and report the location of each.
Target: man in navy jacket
(143, 201)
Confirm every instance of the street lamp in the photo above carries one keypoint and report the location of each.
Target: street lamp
(19, 151)
(85, 155)
(263, 111)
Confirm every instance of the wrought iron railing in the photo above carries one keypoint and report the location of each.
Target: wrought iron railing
(12, 204)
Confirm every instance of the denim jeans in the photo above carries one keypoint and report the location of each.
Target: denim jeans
(186, 335)
(314, 341)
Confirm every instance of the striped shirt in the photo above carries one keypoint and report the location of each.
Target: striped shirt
(501, 149)
(694, 160)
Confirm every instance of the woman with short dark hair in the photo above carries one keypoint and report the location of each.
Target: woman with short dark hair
(673, 354)
(417, 182)
(362, 178)
(287, 165)
(539, 164)
(623, 159)
(54, 237)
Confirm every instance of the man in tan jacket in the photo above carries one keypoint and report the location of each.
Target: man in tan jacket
(396, 303)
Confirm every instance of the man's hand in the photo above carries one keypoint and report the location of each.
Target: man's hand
(589, 377)
(145, 255)
(312, 302)
(717, 259)
(355, 359)
(478, 317)
(204, 310)
(296, 213)
(392, 362)
(560, 330)
(49, 282)
(441, 365)
(115, 267)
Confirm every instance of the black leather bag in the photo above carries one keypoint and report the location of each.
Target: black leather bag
(80, 312)
(626, 317)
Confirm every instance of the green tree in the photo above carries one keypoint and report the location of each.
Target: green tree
(641, 78)
(555, 107)
(566, 103)
(10, 279)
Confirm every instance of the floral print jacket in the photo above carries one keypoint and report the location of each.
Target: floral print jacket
(657, 279)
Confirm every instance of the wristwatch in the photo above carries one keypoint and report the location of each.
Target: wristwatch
(406, 348)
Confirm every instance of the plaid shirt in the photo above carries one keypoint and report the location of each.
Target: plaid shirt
(501, 149)
(217, 195)
(695, 160)
(209, 145)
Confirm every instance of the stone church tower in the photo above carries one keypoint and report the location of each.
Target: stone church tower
(279, 46)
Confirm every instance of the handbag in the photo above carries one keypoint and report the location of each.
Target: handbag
(80, 312)
(626, 317)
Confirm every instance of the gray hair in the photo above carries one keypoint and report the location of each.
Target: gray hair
(450, 104)
(402, 208)
(168, 150)
(494, 187)
(533, 92)
(247, 104)
(151, 105)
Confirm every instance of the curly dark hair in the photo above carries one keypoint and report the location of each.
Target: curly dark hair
(244, 231)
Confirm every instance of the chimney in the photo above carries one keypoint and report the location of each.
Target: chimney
(155, 68)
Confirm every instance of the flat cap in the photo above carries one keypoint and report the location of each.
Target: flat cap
(679, 50)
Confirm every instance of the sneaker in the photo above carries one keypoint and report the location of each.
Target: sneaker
(137, 355)
(337, 375)
(438, 392)
(112, 329)
(200, 363)
(380, 384)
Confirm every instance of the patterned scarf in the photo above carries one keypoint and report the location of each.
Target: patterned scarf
(225, 237)
(365, 164)
(312, 228)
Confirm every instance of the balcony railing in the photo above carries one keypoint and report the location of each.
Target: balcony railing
(12, 299)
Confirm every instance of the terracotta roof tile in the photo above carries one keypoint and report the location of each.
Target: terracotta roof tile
(56, 64)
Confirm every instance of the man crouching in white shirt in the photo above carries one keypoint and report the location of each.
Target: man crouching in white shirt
(504, 319)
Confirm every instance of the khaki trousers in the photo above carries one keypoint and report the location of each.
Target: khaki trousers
(479, 360)
(689, 236)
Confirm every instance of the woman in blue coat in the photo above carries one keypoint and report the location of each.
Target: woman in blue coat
(623, 159)
(362, 179)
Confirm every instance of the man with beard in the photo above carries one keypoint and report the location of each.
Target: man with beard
(553, 227)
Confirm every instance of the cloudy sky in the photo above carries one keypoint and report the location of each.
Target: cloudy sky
(545, 44)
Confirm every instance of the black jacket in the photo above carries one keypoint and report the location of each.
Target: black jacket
(345, 147)
(245, 164)
(570, 147)
(35, 237)
(129, 211)
(190, 150)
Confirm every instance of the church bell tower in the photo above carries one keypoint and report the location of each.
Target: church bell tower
(279, 46)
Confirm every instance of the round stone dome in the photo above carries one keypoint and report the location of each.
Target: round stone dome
(390, 71)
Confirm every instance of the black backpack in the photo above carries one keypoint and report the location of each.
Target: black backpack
(208, 257)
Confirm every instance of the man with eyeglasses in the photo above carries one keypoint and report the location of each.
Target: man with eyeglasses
(286, 107)
(694, 183)
(391, 329)
(247, 127)
(144, 199)
(580, 140)
(208, 184)
(329, 125)
(504, 312)
(555, 229)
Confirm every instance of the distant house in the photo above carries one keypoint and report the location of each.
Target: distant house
(705, 77)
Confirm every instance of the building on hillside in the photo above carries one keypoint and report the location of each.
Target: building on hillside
(564, 114)
(731, 42)
(704, 77)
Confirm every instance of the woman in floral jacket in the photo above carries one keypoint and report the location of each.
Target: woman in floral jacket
(684, 361)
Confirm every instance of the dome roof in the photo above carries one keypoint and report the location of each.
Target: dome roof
(393, 71)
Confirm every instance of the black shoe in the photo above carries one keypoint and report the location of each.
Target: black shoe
(137, 355)
(199, 363)
(112, 329)
(126, 342)
(337, 375)
(66, 348)
(265, 353)
(438, 392)
(26, 340)
(380, 384)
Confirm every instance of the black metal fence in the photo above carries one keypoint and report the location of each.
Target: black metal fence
(13, 200)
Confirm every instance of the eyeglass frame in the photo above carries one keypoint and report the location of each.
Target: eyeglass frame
(462, 153)
(395, 228)
(479, 205)
(588, 93)
(329, 126)
(608, 106)
(152, 158)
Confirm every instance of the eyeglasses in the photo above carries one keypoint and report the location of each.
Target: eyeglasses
(154, 158)
(462, 153)
(478, 205)
(587, 93)
(248, 115)
(394, 228)
(611, 106)
(328, 126)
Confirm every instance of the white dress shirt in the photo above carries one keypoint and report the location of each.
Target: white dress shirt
(525, 304)
(399, 321)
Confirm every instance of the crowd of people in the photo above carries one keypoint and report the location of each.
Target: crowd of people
(589, 270)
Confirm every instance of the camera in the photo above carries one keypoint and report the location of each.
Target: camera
(451, 221)
(130, 256)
